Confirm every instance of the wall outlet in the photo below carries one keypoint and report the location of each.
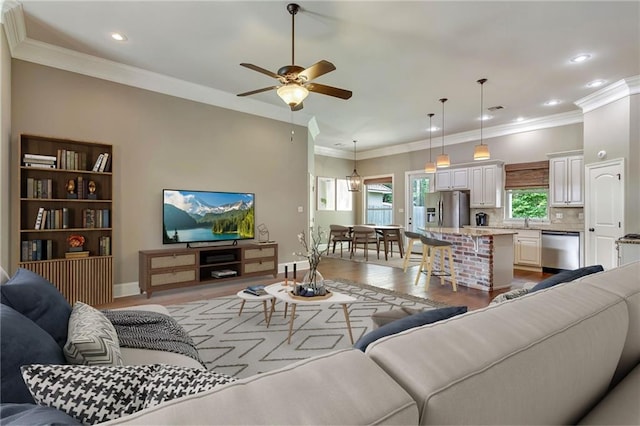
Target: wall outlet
(559, 215)
(300, 209)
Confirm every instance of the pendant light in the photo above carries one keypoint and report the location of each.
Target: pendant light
(481, 152)
(430, 167)
(354, 181)
(443, 159)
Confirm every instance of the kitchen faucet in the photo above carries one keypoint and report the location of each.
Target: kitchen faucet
(526, 222)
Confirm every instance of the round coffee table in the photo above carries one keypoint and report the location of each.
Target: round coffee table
(252, 298)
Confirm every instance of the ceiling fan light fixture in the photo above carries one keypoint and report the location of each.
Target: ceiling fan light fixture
(293, 93)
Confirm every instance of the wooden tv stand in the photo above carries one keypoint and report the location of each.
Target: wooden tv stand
(185, 267)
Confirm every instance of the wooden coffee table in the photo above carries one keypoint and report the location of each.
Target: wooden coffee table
(281, 292)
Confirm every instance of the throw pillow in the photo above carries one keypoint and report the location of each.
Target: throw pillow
(92, 338)
(89, 394)
(31, 414)
(23, 342)
(39, 300)
(512, 294)
(416, 320)
(385, 317)
(171, 382)
(566, 276)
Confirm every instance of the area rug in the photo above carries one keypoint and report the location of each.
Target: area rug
(242, 346)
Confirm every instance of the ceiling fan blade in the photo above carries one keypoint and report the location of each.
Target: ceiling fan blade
(316, 70)
(328, 90)
(297, 107)
(259, 69)
(253, 92)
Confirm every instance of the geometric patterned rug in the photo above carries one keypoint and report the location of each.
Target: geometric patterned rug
(242, 346)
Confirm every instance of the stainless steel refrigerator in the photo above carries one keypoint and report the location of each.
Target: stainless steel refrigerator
(447, 209)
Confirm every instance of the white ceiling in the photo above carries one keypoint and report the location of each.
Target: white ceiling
(397, 57)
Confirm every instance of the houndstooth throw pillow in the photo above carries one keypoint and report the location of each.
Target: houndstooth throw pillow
(96, 394)
(89, 394)
(91, 339)
(171, 382)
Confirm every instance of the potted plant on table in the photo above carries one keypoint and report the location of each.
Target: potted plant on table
(313, 282)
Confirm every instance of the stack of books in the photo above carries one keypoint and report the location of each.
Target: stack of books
(224, 273)
(255, 290)
(76, 254)
(37, 160)
(103, 163)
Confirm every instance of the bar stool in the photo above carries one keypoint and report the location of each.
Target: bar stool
(411, 237)
(429, 248)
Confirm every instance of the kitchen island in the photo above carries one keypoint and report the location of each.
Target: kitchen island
(483, 258)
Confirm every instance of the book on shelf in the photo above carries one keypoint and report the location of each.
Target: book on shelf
(40, 165)
(104, 163)
(96, 165)
(36, 250)
(38, 223)
(40, 157)
(76, 254)
(104, 246)
(256, 290)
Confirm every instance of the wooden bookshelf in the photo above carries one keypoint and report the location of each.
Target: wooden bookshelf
(44, 188)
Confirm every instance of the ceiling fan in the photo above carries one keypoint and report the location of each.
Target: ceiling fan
(296, 81)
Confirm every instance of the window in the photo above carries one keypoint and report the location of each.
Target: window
(379, 200)
(531, 203)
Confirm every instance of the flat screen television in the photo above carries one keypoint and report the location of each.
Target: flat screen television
(207, 216)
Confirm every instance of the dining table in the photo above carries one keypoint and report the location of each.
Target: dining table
(387, 232)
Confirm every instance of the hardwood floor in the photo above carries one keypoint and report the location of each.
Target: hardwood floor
(380, 276)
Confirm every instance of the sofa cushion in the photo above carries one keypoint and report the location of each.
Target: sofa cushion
(416, 320)
(566, 276)
(385, 317)
(39, 300)
(92, 338)
(93, 394)
(33, 415)
(23, 342)
(512, 294)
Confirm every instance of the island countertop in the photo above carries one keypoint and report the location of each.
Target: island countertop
(471, 232)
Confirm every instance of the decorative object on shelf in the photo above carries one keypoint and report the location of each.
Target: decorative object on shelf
(75, 242)
(71, 189)
(92, 190)
(443, 159)
(481, 152)
(263, 233)
(313, 282)
(354, 181)
(430, 167)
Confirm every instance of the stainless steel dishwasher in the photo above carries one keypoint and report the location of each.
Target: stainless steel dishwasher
(560, 250)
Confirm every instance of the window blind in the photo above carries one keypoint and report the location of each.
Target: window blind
(386, 179)
(527, 175)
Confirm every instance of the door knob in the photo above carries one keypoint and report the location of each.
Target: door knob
(591, 229)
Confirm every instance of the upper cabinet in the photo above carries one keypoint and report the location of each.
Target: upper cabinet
(566, 181)
(485, 183)
(452, 179)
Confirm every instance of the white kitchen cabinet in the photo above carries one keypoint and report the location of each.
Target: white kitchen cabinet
(452, 179)
(485, 183)
(527, 248)
(566, 181)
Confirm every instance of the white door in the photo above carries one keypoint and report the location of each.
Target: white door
(418, 185)
(604, 211)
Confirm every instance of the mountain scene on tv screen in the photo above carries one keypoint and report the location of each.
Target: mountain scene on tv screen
(191, 216)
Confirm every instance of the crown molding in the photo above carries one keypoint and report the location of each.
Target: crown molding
(616, 91)
(12, 17)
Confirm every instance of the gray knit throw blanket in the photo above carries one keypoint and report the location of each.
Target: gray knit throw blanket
(151, 330)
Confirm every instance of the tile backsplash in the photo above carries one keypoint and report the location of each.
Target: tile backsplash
(570, 215)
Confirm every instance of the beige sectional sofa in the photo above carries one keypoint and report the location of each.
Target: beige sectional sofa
(565, 355)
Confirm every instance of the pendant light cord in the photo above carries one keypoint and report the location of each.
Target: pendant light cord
(443, 100)
(430, 133)
(482, 81)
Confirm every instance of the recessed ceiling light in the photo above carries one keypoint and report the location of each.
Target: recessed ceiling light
(118, 37)
(580, 58)
(596, 83)
(433, 129)
(552, 102)
(338, 144)
(519, 119)
(486, 117)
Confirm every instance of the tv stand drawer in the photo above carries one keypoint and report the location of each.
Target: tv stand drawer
(259, 253)
(251, 267)
(173, 261)
(174, 277)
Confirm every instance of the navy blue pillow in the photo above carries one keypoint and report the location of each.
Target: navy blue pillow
(33, 415)
(40, 301)
(22, 343)
(566, 276)
(416, 320)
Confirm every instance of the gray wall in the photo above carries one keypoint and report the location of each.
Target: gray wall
(163, 142)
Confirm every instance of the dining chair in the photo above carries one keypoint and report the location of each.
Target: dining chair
(364, 235)
(339, 234)
(393, 236)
